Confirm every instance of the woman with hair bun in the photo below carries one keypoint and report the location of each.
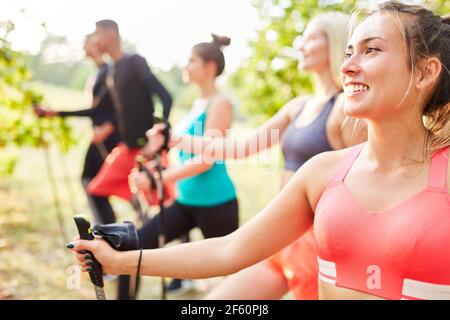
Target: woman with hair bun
(206, 196)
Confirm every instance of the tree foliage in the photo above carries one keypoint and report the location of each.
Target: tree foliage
(270, 76)
(18, 125)
(52, 65)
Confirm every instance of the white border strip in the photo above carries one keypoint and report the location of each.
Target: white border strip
(425, 290)
(327, 268)
(327, 280)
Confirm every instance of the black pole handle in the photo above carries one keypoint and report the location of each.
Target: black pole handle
(85, 232)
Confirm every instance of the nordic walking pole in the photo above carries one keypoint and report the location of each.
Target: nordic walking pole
(51, 178)
(160, 192)
(67, 181)
(56, 203)
(161, 236)
(85, 232)
(102, 150)
(143, 208)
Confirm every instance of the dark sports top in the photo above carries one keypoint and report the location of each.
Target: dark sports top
(301, 144)
(135, 86)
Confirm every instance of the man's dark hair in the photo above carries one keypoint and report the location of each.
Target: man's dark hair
(108, 24)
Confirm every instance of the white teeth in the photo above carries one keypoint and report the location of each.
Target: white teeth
(353, 88)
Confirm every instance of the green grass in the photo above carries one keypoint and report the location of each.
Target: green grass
(34, 263)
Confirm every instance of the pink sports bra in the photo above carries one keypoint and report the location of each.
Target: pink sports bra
(399, 253)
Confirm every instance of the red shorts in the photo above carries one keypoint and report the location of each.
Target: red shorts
(297, 263)
(112, 179)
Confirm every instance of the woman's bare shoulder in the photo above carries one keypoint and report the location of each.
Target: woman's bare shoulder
(220, 100)
(294, 105)
(220, 106)
(319, 171)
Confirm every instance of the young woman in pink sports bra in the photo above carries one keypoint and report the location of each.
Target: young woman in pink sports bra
(307, 126)
(381, 210)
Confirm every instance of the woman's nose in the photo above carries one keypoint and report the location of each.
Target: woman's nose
(350, 66)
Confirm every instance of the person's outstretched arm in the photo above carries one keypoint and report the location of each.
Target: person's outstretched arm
(266, 136)
(90, 112)
(46, 112)
(78, 113)
(286, 218)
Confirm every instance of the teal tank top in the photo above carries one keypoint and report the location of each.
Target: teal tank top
(210, 188)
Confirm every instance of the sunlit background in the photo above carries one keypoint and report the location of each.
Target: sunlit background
(41, 57)
(162, 31)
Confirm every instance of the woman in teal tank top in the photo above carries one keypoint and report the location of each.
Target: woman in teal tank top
(212, 186)
(206, 196)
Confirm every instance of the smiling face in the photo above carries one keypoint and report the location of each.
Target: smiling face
(376, 75)
(313, 49)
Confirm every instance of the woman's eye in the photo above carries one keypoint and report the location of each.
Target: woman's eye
(367, 51)
(371, 49)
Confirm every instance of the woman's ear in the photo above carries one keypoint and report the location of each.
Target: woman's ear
(428, 73)
(211, 67)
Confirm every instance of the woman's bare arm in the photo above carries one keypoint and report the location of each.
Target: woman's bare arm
(222, 148)
(218, 121)
(286, 218)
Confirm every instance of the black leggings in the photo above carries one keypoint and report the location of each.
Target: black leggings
(213, 221)
(101, 208)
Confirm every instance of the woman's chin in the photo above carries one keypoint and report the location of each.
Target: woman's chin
(354, 111)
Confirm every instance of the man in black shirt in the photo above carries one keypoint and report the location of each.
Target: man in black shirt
(132, 86)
